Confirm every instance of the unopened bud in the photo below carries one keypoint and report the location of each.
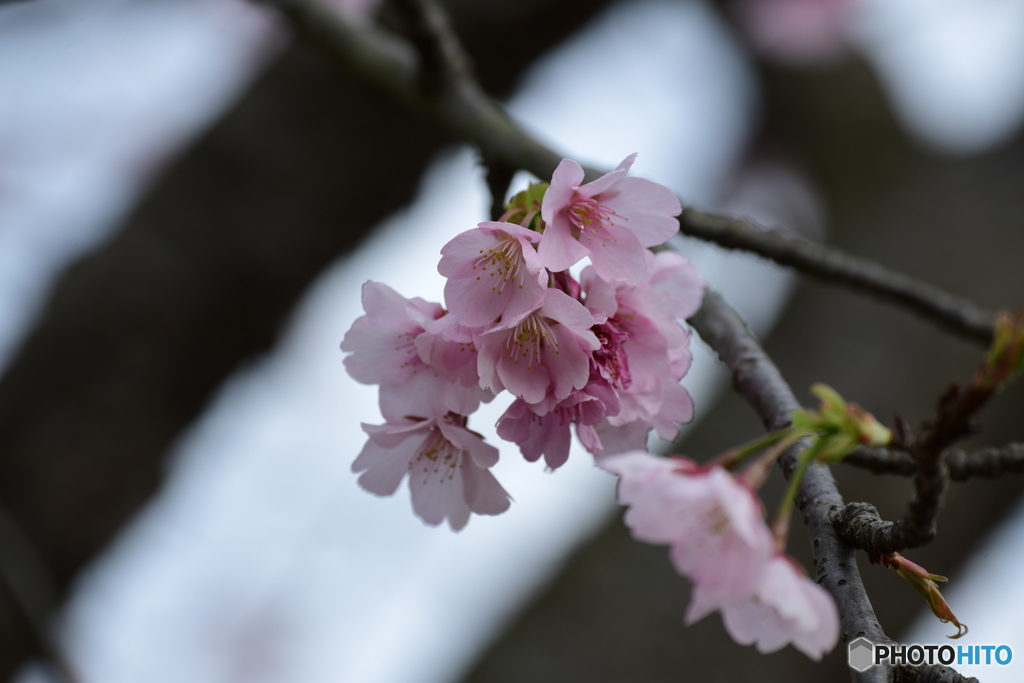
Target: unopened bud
(1005, 358)
(841, 426)
(524, 208)
(924, 583)
(870, 432)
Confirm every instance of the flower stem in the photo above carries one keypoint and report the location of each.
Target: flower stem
(758, 471)
(734, 456)
(780, 525)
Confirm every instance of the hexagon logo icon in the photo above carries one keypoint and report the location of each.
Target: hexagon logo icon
(862, 653)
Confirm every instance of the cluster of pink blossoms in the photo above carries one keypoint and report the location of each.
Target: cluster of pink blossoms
(604, 353)
(717, 537)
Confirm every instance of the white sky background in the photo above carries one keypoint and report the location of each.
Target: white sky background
(262, 561)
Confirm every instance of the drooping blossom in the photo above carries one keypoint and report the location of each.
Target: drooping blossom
(494, 274)
(447, 346)
(717, 536)
(787, 607)
(546, 351)
(641, 320)
(712, 523)
(611, 360)
(644, 351)
(388, 345)
(611, 220)
(448, 468)
(544, 428)
(615, 440)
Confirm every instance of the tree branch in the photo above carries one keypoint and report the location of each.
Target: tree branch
(391, 65)
(860, 523)
(986, 463)
(930, 674)
(952, 312)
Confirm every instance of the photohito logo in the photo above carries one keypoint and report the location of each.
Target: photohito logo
(863, 654)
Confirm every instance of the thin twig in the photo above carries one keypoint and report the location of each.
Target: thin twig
(860, 523)
(986, 463)
(832, 265)
(884, 461)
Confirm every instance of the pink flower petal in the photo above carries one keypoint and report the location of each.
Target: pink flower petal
(678, 282)
(651, 209)
(566, 363)
(564, 182)
(558, 249)
(608, 180)
(384, 468)
(620, 439)
(483, 493)
(787, 607)
(483, 454)
(619, 256)
(563, 308)
(446, 463)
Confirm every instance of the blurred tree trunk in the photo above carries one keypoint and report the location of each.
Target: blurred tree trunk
(139, 333)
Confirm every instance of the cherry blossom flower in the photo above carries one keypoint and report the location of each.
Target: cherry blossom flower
(493, 274)
(712, 523)
(787, 607)
(391, 347)
(718, 538)
(611, 360)
(448, 468)
(644, 352)
(543, 429)
(447, 346)
(549, 350)
(611, 219)
(615, 440)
